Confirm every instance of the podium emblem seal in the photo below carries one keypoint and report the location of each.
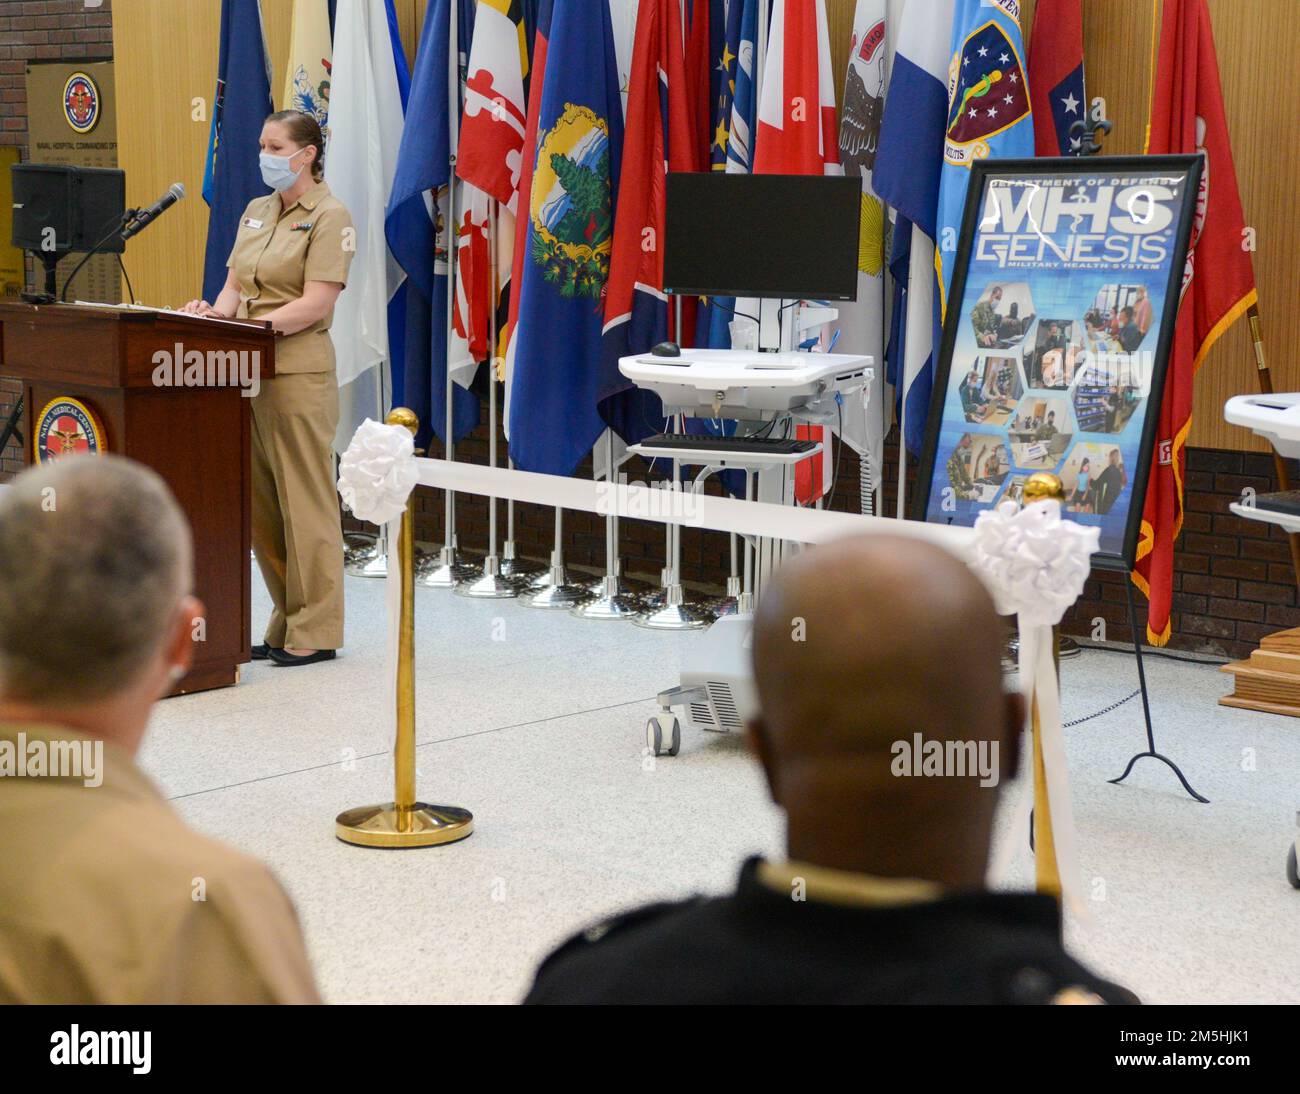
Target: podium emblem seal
(66, 427)
(81, 102)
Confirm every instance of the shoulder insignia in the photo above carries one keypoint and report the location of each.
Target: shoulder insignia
(1074, 995)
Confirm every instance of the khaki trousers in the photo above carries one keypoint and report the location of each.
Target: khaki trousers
(297, 533)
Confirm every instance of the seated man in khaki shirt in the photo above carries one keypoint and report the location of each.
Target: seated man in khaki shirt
(105, 895)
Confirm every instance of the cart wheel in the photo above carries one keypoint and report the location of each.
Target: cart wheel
(1291, 874)
(663, 727)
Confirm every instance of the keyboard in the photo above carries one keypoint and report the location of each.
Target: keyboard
(1284, 501)
(704, 442)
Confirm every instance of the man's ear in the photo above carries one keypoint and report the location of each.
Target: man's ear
(1013, 734)
(179, 651)
(756, 736)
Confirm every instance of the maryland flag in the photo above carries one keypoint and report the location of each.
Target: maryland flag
(1218, 280)
(489, 160)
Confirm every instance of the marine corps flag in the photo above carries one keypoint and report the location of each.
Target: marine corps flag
(1218, 279)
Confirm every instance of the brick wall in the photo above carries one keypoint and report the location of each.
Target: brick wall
(1233, 580)
(40, 30)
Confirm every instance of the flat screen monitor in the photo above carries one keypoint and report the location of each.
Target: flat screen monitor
(791, 237)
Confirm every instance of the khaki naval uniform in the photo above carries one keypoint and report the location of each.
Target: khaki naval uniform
(297, 535)
(107, 897)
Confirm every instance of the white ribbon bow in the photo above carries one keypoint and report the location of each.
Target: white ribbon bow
(1035, 564)
(377, 473)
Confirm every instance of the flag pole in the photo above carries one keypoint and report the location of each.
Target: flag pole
(1265, 379)
(492, 585)
(451, 570)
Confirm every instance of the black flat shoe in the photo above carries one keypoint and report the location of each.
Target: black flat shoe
(263, 652)
(289, 660)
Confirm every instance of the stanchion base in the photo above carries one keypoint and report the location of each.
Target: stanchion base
(557, 597)
(443, 575)
(358, 549)
(675, 617)
(520, 571)
(489, 587)
(376, 565)
(1067, 647)
(616, 606)
(421, 826)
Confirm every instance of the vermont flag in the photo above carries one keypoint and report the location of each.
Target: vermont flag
(567, 235)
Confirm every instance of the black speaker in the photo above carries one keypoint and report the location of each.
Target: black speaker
(62, 207)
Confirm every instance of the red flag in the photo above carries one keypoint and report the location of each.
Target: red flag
(698, 72)
(1218, 280)
(659, 137)
(1056, 76)
(798, 135)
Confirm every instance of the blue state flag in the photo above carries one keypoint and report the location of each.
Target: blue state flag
(418, 244)
(556, 381)
(988, 112)
(231, 175)
(907, 175)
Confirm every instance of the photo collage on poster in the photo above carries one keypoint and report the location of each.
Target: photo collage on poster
(1056, 341)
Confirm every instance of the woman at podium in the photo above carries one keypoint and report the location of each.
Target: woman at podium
(288, 265)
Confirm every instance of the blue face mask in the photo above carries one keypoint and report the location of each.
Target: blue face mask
(276, 172)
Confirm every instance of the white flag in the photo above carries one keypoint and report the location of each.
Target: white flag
(862, 323)
(361, 157)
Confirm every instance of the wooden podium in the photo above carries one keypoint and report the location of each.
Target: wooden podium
(196, 436)
(1270, 679)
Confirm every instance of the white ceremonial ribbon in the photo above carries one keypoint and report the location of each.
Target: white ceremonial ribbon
(378, 472)
(1035, 564)
(376, 476)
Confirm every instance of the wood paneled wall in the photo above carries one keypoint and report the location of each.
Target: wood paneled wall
(166, 56)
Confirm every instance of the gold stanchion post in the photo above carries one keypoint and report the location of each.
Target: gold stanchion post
(404, 822)
(1040, 486)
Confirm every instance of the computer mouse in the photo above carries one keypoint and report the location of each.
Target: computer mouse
(667, 349)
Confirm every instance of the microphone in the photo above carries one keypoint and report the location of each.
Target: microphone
(145, 217)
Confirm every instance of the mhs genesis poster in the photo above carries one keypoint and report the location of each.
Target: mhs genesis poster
(1057, 336)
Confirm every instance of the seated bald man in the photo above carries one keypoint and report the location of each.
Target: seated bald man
(859, 647)
(105, 895)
